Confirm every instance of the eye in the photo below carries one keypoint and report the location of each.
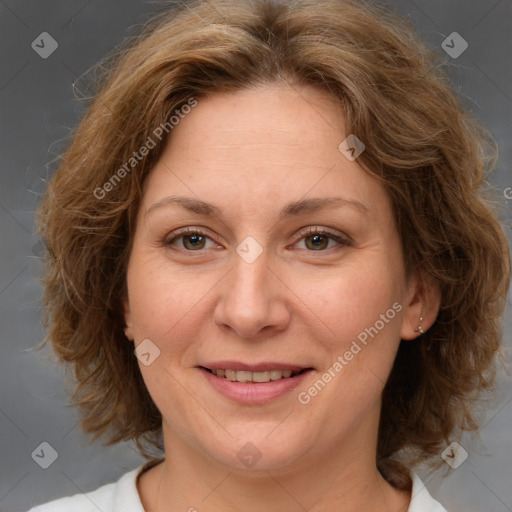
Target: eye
(192, 239)
(317, 239)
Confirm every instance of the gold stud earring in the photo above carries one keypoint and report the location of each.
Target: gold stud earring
(420, 328)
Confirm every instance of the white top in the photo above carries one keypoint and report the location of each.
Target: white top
(122, 496)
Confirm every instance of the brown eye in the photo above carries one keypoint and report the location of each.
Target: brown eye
(316, 242)
(191, 240)
(194, 241)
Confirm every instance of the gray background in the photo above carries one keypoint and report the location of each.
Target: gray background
(37, 113)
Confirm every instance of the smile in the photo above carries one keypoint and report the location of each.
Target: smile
(253, 383)
(256, 377)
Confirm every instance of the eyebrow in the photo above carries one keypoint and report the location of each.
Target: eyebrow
(295, 208)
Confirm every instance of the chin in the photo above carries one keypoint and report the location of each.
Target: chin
(256, 451)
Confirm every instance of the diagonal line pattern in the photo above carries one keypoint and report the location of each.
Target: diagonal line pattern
(15, 220)
(69, 431)
(376, 376)
(292, 86)
(226, 20)
(75, 88)
(491, 80)
(286, 491)
(185, 184)
(71, 19)
(281, 422)
(425, 14)
(85, 494)
(480, 430)
(315, 315)
(14, 76)
(12, 488)
(310, 189)
(15, 424)
(198, 301)
(77, 77)
(486, 14)
(491, 491)
(216, 487)
(197, 401)
(3, 2)
(12, 280)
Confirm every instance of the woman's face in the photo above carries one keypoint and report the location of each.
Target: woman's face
(291, 261)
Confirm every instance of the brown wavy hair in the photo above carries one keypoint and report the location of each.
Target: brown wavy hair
(427, 152)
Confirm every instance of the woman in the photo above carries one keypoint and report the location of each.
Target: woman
(270, 258)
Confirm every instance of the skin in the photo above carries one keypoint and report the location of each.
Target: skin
(250, 153)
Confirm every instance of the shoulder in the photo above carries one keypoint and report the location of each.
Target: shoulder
(113, 497)
(421, 500)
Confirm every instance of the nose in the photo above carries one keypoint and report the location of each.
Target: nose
(254, 300)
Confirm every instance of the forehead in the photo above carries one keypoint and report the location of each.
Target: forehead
(278, 116)
(259, 148)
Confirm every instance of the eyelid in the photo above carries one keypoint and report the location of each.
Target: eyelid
(188, 230)
(340, 238)
(319, 230)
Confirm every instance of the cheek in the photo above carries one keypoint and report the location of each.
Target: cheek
(158, 292)
(164, 301)
(361, 309)
(353, 299)
(164, 307)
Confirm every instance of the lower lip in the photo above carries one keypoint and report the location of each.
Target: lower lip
(254, 392)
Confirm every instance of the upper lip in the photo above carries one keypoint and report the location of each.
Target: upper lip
(255, 367)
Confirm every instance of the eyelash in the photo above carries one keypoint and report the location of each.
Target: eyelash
(310, 231)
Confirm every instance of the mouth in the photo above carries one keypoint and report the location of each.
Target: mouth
(257, 377)
(254, 384)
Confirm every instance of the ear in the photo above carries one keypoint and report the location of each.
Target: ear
(128, 330)
(423, 301)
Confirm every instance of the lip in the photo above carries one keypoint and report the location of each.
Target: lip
(252, 392)
(257, 367)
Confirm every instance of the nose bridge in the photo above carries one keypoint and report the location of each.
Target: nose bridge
(250, 274)
(250, 268)
(250, 301)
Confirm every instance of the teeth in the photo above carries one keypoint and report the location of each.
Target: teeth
(245, 376)
(260, 376)
(230, 375)
(242, 376)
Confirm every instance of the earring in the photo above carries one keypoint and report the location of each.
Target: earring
(419, 328)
